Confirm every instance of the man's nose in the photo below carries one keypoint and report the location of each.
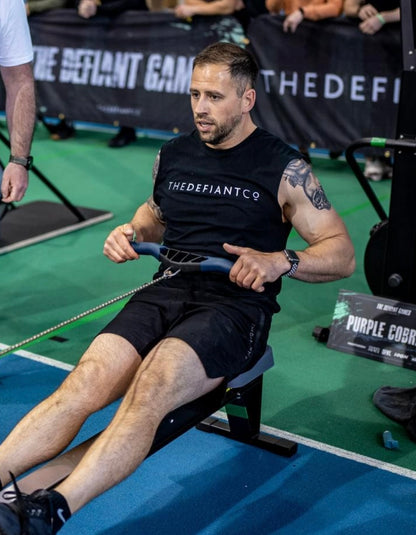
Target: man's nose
(201, 106)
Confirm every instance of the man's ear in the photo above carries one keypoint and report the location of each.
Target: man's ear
(249, 99)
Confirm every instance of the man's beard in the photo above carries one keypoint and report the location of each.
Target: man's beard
(221, 132)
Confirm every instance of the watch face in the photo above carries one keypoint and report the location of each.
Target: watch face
(294, 262)
(291, 256)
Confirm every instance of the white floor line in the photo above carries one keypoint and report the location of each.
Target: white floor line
(339, 452)
(40, 358)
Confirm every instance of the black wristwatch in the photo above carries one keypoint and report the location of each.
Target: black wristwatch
(26, 162)
(294, 262)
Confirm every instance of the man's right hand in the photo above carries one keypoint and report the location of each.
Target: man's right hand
(117, 245)
(14, 182)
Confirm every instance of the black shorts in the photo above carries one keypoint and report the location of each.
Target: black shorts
(226, 326)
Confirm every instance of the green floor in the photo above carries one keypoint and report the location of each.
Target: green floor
(312, 391)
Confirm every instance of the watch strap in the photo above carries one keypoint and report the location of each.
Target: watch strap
(25, 162)
(294, 262)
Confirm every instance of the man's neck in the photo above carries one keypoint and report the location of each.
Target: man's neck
(238, 137)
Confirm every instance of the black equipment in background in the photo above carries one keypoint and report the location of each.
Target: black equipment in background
(25, 224)
(390, 257)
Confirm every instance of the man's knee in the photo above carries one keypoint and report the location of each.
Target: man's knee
(171, 375)
(103, 374)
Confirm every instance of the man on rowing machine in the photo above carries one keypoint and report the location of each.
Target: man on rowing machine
(228, 189)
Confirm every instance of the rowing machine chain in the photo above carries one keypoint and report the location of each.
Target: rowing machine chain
(167, 274)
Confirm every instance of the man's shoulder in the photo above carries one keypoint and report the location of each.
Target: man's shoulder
(179, 141)
(272, 142)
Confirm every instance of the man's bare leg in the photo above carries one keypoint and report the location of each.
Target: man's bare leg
(101, 377)
(170, 376)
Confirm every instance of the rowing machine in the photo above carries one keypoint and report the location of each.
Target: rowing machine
(242, 396)
(242, 399)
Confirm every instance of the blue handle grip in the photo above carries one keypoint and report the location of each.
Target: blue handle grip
(219, 265)
(147, 248)
(185, 261)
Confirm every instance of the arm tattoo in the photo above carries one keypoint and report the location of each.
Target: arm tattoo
(157, 212)
(155, 169)
(155, 208)
(299, 173)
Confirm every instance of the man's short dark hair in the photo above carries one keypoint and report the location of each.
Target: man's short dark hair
(240, 62)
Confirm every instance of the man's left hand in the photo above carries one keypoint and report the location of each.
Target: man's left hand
(254, 268)
(117, 245)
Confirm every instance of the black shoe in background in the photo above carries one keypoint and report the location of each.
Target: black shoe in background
(335, 154)
(61, 130)
(125, 136)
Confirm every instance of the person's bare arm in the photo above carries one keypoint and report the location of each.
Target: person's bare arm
(146, 225)
(351, 8)
(274, 6)
(329, 255)
(330, 9)
(21, 115)
(201, 7)
(375, 22)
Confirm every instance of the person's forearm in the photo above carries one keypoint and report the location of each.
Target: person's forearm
(45, 5)
(351, 8)
(324, 11)
(20, 107)
(391, 16)
(274, 6)
(146, 225)
(216, 7)
(327, 261)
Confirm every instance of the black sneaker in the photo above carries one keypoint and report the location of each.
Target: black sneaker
(125, 136)
(33, 514)
(61, 130)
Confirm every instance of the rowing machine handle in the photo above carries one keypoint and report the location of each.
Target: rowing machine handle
(183, 260)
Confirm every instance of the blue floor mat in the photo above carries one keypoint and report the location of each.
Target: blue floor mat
(202, 484)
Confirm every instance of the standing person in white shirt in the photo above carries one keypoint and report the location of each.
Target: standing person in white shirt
(16, 55)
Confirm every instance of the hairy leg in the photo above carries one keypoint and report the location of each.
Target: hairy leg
(170, 376)
(102, 376)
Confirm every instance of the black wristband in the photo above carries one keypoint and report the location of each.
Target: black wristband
(26, 162)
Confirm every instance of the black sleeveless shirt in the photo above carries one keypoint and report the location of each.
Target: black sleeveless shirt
(211, 196)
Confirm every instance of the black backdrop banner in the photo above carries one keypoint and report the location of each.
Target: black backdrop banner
(134, 69)
(326, 84)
